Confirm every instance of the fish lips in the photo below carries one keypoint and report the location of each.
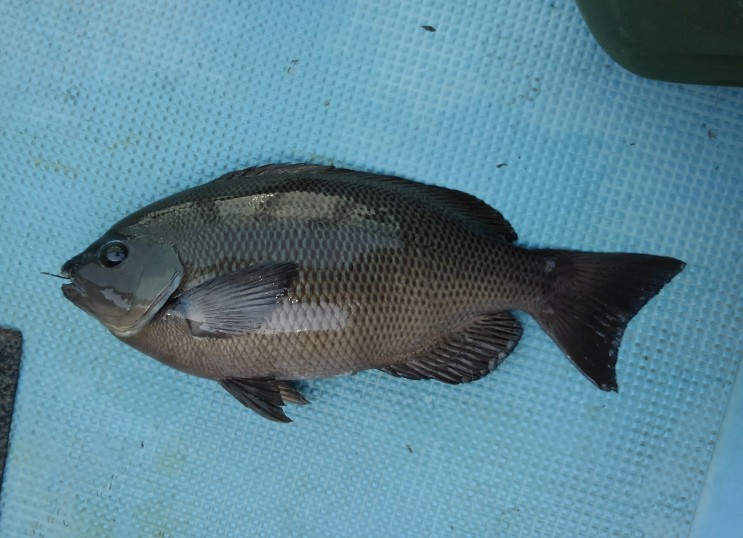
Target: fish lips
(72, 291)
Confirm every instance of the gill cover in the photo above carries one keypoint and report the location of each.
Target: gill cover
(123, 280)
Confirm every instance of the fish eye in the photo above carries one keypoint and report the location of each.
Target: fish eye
(113, 253)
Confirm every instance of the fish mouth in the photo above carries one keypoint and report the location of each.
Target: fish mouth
(72, 292)
(70, 289)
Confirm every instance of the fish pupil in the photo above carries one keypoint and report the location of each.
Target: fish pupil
(112, 254)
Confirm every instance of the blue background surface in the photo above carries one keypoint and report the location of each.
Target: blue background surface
(107, 106)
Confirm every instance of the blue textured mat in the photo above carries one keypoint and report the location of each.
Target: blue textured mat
(106, 106)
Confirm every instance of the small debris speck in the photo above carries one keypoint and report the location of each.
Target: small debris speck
(501, 165)
(410, 448)
(428, 28)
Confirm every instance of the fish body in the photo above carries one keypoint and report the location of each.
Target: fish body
(281, 273)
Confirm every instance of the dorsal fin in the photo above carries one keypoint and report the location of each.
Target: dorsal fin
(465, 206)
(473, 212)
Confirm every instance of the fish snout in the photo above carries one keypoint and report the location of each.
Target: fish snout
(69, 266)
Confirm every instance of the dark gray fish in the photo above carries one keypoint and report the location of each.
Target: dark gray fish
(281, 273)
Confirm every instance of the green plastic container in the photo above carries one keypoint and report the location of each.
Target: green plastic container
(692, 41)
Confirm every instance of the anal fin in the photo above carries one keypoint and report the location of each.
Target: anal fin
(466, 355)
(266, 396)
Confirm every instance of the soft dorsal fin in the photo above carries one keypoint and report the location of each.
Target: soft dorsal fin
(470, 208)
(473, 212)
(466, 355)
(266, 396)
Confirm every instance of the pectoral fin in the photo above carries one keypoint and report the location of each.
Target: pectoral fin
(266, 396)
(235, 303)
(467, 355)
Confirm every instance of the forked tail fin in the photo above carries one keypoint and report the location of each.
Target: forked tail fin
(594, 296)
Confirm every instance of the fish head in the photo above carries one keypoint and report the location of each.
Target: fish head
(123, 280)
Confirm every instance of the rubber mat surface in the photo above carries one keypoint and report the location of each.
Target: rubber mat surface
(107, 106)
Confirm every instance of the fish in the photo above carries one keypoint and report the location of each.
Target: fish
(270, 276)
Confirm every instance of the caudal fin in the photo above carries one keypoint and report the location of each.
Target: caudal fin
(594, 296)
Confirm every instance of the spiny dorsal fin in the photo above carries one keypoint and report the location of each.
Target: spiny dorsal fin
(467, 355)
(473, 212)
